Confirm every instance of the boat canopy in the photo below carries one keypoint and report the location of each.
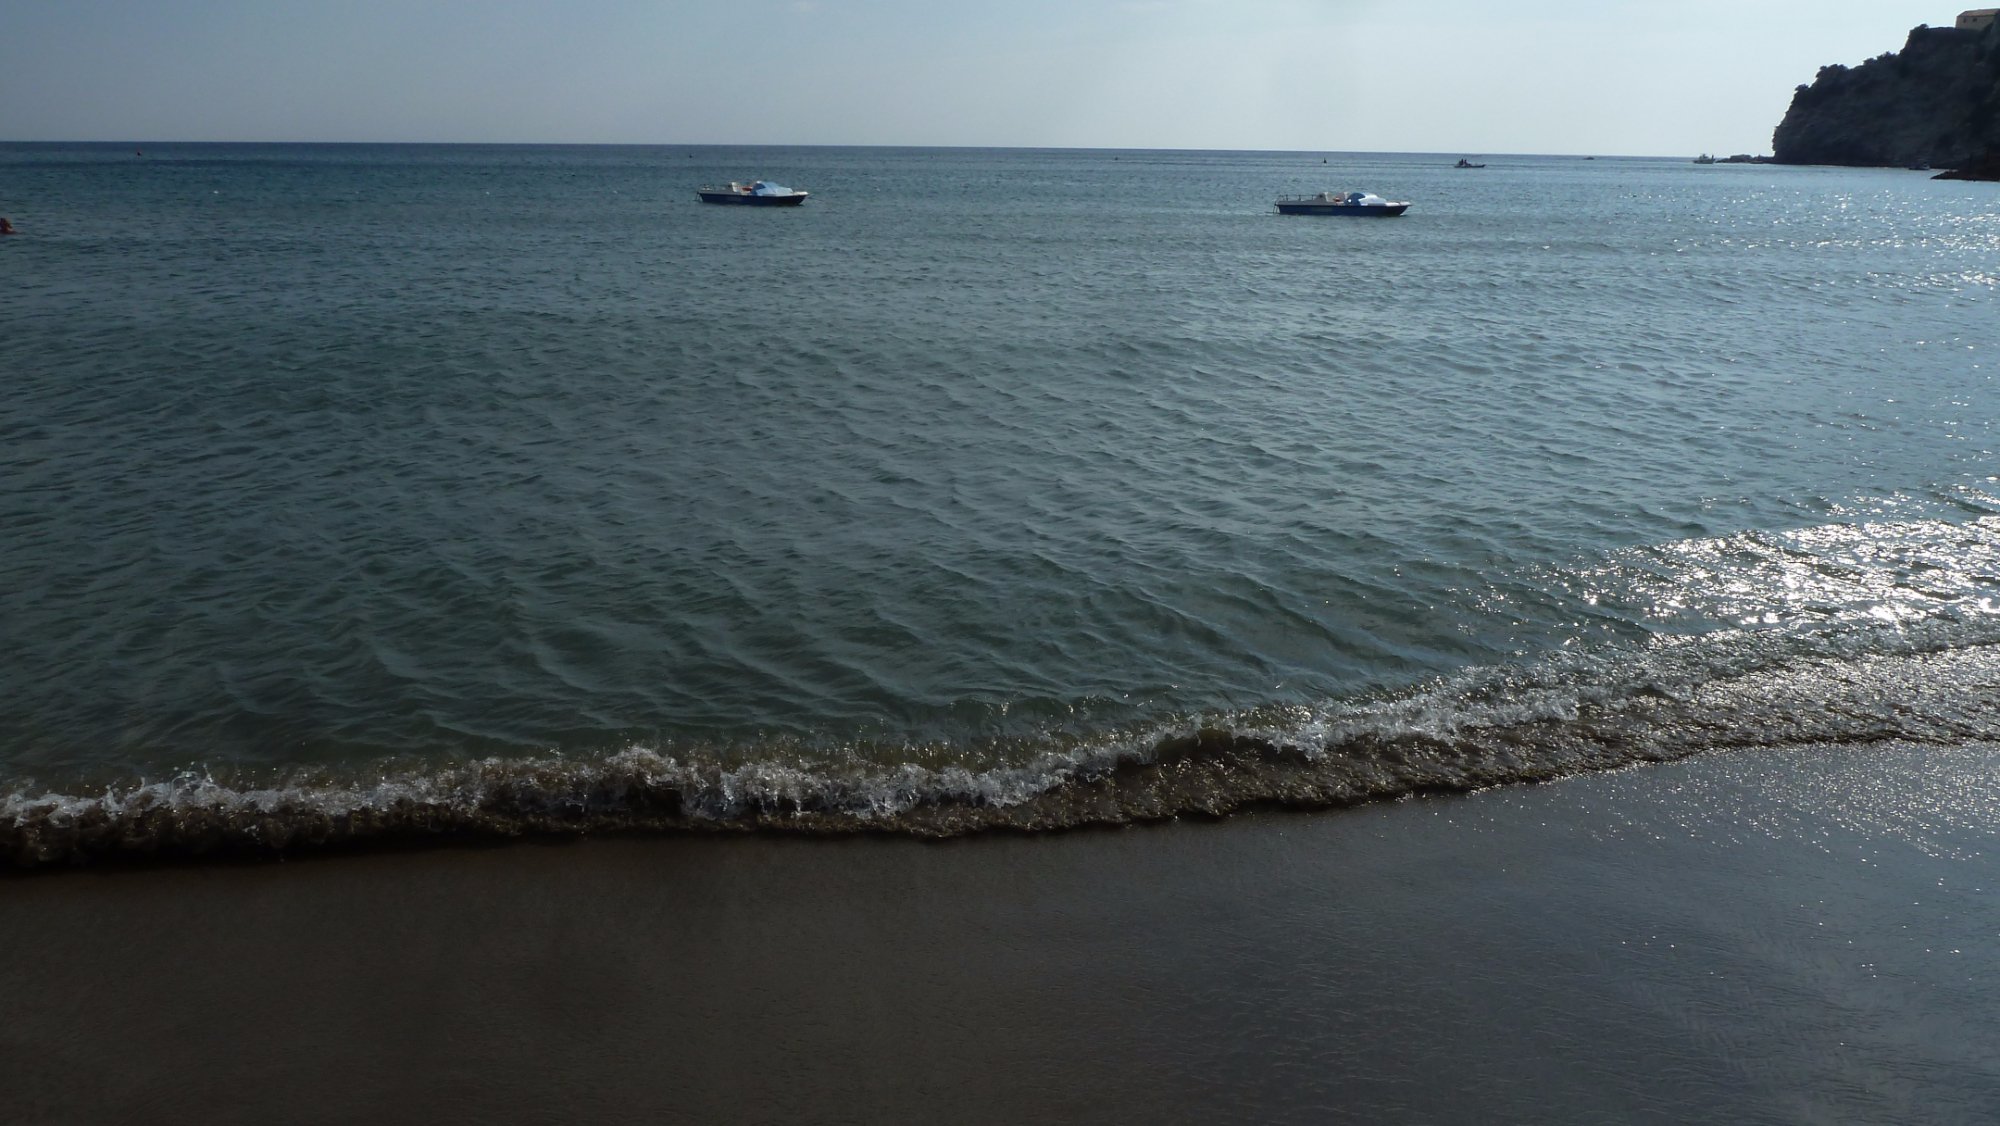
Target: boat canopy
(766, 187)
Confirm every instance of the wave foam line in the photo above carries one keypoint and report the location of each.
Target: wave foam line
(1484, 728)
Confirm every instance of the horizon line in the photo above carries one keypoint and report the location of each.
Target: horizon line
(141, 144)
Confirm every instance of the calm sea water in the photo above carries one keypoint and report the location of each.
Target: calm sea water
(349, 490)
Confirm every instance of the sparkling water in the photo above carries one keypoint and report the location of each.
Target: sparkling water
(350, 488)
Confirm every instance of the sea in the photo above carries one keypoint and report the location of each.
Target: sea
(368, 494)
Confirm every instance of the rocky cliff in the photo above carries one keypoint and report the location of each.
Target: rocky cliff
(1935, 102)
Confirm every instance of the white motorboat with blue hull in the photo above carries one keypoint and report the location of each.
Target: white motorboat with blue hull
(756, 193)
(1365, 204)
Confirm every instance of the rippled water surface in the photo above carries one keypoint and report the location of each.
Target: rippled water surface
(514, 486)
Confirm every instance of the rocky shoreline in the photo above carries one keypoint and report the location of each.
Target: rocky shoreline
(1936, 103)
(1986, 168)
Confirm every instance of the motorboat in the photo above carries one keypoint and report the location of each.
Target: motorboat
(1337, 203)
(1464, 163)
(756, 193)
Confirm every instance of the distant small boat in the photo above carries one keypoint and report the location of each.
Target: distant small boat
(1334, 203)
(1704, 158)
(756, 193)
(1464, 163)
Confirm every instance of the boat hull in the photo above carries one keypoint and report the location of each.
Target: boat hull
(747, 200)
(1353, 210)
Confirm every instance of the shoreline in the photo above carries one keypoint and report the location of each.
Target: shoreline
(1758, 936)
(1643, 712)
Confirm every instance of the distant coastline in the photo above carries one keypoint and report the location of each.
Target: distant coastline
(167, 150)
(1934, 104)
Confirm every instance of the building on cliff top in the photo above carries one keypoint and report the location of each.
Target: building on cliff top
(1978, 19)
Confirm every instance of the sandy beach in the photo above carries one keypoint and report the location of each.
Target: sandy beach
(1801, 936)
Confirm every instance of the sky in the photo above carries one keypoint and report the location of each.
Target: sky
(1617, 77)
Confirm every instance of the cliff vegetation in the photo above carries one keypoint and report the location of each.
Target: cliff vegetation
(1935, 103)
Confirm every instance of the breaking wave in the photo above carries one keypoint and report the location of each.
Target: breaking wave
(1932, 681)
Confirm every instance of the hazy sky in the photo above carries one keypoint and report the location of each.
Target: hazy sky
(1656, 77)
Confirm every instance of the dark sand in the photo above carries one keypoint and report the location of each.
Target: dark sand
(1804, 936)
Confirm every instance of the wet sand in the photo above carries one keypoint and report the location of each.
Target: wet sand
(1799, 936)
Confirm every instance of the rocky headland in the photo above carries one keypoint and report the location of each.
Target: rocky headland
(1985, 168)
(1935, 103)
